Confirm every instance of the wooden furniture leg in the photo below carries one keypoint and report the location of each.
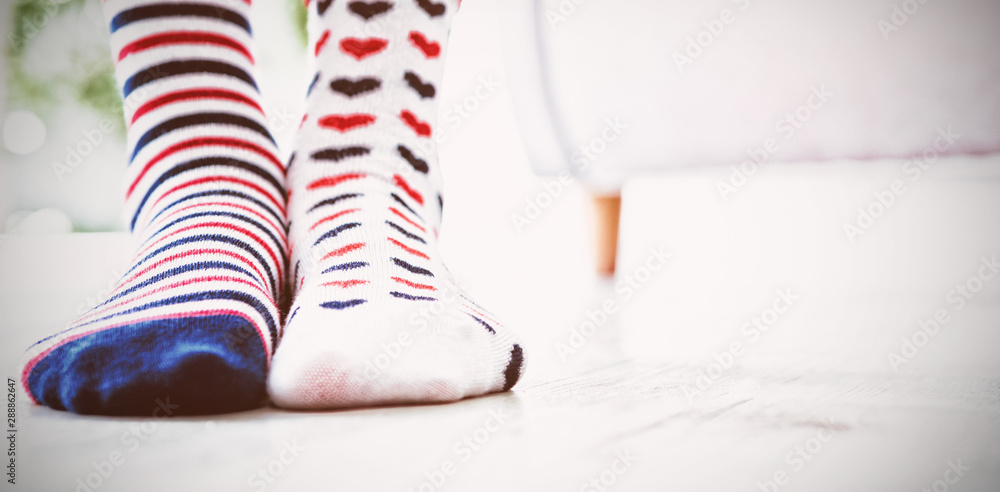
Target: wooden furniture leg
(607, 208)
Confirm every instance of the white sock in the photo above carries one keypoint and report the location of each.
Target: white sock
(377, 318)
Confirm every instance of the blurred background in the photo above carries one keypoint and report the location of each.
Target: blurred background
(63, 130)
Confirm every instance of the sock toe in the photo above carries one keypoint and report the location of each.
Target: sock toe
(186, 365)
(330, 380)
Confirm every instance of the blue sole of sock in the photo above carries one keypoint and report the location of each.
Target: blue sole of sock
(180, 366)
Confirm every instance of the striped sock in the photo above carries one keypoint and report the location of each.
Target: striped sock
(377, 318)
(193, 322)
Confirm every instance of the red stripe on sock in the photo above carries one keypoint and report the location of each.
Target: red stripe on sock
(246, 260)
(223, 225)
(280, 230)
(343, 251)
(482, 315)
(183, 37)
(407, 219)
(334, 180)
(145, 294)
(194, 94)
(333, 217)
(323, 38)
(205, 142)
(415, 286)
(187, 254)
(194, 182)
(409, 249)
(400, 182)
(344, 283)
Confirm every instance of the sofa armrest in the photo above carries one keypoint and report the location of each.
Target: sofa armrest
(526, 68)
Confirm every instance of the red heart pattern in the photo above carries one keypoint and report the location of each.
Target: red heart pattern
(362, 48)
(431, 49)
(346, 123)
(411, 120)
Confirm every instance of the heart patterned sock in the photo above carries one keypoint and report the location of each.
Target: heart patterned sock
(377, 318)
(191, 326)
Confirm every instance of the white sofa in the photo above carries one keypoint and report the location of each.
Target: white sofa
(611, 89)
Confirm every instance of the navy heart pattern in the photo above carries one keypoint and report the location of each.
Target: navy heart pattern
(425, 89)
(433, 9)
(368, 10)
(351, 88)
(419, 164)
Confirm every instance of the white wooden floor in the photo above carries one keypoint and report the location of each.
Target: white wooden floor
(812, 403)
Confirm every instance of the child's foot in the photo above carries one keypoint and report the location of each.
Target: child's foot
(377, 318)
(191, 326)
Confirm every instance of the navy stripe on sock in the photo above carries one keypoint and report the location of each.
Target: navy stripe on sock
(280, 244)
(206, 162)
(411, 298)
(403, 203)
(346, 266)
(153, 11)
(190, 267)
(405, 232)
(343, 304)
(292, 316)
(312, 85)
(182, 67)
(198, 119)
(412, 268)
(485, 324)
(204, 296)
(279, 218)
(219, 238)
(333, 233)
(334, 200)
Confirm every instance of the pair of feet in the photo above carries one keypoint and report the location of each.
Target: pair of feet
(347, 229)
